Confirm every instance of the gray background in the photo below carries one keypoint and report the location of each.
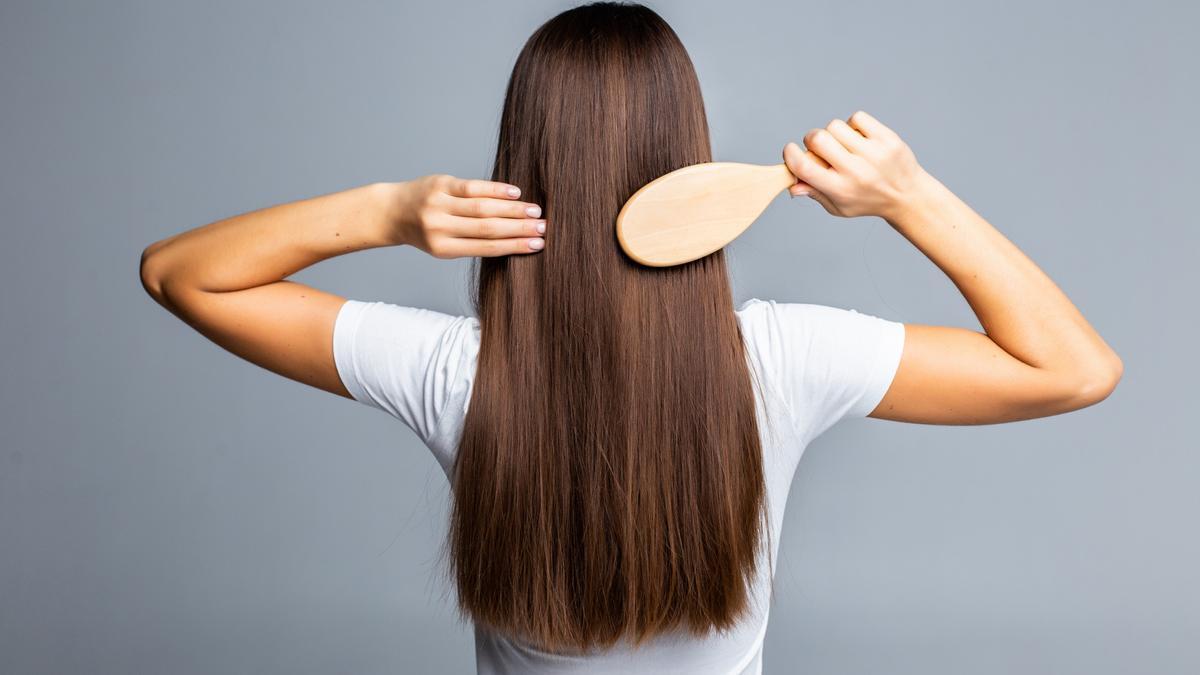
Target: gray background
(168, 508)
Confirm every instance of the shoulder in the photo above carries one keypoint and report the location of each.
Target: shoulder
(765, 320)
(770, 309)
(378, 329)
(407, 361)
(403, 319)
(771, 317)
(829, 362)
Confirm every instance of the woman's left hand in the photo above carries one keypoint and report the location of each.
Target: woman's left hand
(857, 167)
(449, 217)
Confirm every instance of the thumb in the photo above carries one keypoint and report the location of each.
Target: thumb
(824, 202)
(801, 189)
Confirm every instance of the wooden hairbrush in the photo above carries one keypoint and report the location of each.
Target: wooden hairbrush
(693, 211)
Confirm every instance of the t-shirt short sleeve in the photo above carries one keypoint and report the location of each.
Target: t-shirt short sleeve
(405, 361)
(827, 363)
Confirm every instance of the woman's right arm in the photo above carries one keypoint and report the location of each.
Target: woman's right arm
(1038, 355)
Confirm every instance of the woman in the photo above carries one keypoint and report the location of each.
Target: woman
(620, 440)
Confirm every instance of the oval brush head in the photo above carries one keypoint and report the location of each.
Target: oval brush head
(693, 211)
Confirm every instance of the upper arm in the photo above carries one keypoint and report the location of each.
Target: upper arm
(831, 363)
(285, 327)
(405, 361)
(952, 375)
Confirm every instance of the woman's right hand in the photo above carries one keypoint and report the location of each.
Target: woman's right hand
(857, 167)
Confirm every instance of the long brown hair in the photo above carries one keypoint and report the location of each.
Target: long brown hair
(609, 479)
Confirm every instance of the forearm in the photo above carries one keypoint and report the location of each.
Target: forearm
(270, 244)
(1017, 304)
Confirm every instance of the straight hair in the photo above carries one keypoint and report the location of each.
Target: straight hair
(608, 482)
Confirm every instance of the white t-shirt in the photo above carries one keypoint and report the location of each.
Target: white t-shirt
(816, 364)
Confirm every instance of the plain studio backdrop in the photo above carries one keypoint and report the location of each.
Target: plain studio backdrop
(168, 508)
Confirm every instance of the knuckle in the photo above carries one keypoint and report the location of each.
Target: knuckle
(487, 228)
(818, 137)
(441, 184)
(435, 222)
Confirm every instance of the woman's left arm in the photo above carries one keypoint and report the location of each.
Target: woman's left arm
(228, 279)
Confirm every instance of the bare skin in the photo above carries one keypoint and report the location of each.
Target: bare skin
(1038, 356)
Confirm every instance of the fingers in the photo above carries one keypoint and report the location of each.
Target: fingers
(866, 166)
(869, 126)
(465, 236)
(800, 188)
(833, 153)
(460, 218)
(468, 187)
(829, 148)
(809, 168)
(488, 207)
(825, 202)
(848, 136)
(488, 199)
(488, 248)
(494, 228)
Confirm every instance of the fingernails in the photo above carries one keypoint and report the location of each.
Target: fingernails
(541, 227)
(536, 244)
(533, 211)
(514, 191)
